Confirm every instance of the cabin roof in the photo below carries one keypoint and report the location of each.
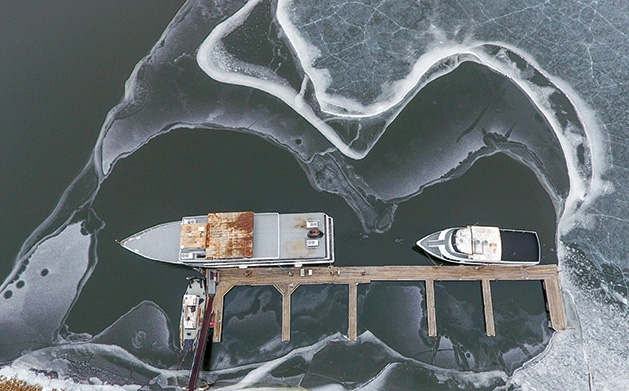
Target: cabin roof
(479, 242)
(226, 235)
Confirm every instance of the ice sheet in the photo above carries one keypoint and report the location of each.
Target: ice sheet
(37, 298)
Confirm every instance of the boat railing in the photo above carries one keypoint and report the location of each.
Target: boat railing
(139, 234)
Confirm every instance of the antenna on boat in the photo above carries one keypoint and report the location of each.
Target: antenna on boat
(287, 271)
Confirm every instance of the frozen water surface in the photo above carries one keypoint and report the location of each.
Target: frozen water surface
(554, 97)
(37, 297)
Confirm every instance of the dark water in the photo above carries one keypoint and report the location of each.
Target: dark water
(63, 67)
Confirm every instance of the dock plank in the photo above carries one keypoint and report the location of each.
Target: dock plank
(431, 314)
(352, 326)
(286, 289)
(554, 300)
(217, 308)
(364, 275)
(490, 329)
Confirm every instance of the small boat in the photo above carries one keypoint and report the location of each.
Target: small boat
(481, 245)
(192, 313)
(197, 319)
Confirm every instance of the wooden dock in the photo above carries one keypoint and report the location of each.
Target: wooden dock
(286, 280)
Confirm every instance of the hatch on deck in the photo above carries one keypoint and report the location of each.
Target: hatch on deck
(225, 236)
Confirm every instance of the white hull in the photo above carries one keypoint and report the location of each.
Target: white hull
(483, 246)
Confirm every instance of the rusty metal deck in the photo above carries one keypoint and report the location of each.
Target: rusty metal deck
(229, 236)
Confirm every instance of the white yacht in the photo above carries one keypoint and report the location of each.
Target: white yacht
(480, 245)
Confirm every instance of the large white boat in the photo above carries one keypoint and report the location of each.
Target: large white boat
(239, 239)
(480, 245)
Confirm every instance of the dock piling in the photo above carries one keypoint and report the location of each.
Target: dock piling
(286, 290)
(488, 309)
(554, 300)
(431, 314)
(352, 326)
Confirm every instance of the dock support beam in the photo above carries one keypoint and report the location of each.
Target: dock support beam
(488, 307)
(431, 315)
(286, 290)
(554, 300)
(352, 326)
(217, 308)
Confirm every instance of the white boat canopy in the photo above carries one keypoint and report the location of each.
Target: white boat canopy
(479, 243)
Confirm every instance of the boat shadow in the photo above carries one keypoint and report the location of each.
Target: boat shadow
(435, 261)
